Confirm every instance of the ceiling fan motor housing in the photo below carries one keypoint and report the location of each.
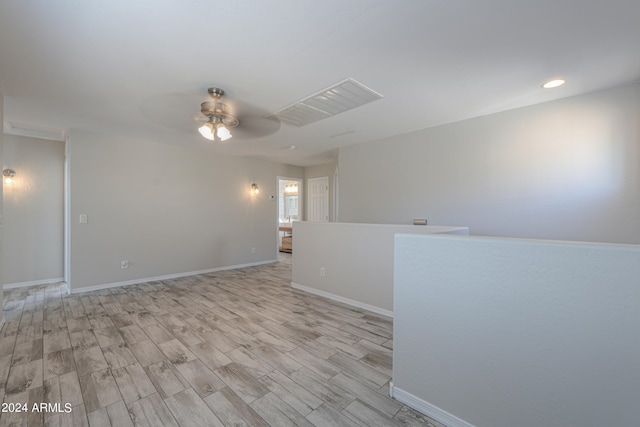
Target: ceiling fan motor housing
(215, 92)
(216, 109)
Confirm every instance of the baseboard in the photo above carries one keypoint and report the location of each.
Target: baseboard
(426, 408)
(166, 277)
(32, 283)
(344, 300)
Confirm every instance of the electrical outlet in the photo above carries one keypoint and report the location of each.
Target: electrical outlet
(253, 250)
(124, 264)
(322, 272)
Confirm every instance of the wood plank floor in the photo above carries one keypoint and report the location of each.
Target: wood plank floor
(232, 348)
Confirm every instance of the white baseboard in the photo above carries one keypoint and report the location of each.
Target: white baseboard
(167, 277)
(32, 283)
(344, 300)
(422, 406)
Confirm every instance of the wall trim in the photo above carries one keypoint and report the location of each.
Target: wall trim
(32, 283)
(427, 408)
(166, 277)
(341, 299)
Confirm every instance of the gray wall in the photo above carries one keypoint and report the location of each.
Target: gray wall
(33, 211)
(356, 260)
(166, 209)
(513, 332)
(1, 211)
(567, 169)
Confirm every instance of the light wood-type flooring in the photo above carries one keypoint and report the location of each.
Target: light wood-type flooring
(231, 348)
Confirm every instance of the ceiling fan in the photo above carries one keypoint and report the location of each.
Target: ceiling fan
(174, 111)
(217, 127)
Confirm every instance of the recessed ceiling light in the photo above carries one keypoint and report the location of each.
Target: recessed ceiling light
(553, 83)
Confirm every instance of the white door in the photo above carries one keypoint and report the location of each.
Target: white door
(318, 191)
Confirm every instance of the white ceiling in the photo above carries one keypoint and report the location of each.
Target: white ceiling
(142, 68)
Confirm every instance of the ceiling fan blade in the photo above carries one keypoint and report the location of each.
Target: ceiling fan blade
(251, 127)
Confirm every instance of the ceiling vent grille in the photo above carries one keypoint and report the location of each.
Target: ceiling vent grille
(341, 97)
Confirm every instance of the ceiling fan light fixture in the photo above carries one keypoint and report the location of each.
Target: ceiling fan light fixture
(217, 128)
(206, 130)
(223, 133)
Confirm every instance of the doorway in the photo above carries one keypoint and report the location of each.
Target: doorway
(34, 211)
(289, 211)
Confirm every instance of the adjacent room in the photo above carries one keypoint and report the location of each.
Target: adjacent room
(353, 213)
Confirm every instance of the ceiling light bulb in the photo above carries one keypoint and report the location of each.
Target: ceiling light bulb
(206, 130)
(553, 83)
(223, 132)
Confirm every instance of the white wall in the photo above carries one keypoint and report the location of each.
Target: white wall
(508, 332)
(168, 210)
(567, 169)
(357, 260)
(33, 211)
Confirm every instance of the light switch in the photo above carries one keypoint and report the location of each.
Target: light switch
(83, 218)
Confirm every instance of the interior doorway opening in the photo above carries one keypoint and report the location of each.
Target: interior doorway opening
(290, 209)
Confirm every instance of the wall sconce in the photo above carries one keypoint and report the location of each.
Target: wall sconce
(8, 175)
(254, 188)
